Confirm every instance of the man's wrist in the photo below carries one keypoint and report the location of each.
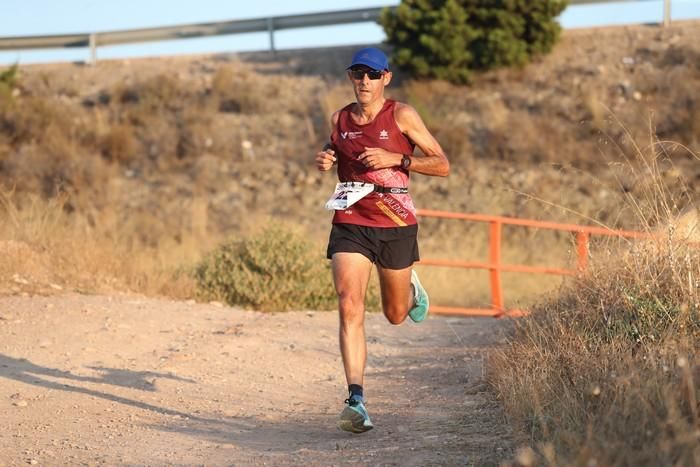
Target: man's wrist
(405, 161)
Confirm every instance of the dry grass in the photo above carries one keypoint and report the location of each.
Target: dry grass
(46, 249)
(607, 372)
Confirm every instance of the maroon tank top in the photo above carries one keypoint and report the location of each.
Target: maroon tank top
(349, 140)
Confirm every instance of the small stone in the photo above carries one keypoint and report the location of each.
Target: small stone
(55, 286)
(21, 403)
(216, 304)
(525, 457)
(20, 280)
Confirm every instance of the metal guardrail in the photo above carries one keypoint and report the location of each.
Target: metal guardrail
(188, 31)
(271, 24)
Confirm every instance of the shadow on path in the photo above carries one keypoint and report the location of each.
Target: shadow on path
(224, 430)
(21, 369)
(24, 371)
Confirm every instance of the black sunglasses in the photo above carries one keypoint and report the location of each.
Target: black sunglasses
(360, 74)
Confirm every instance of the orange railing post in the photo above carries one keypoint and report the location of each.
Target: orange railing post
(582, 250)
(495, 269)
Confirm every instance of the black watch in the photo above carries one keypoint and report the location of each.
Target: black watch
(405, 161)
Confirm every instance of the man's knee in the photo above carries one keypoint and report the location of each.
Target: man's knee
(395, 314)
(351, 308)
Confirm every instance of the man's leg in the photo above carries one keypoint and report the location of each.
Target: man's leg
(402, 295)
(397, 293)
(351, 273)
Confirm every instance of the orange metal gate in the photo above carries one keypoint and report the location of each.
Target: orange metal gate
(495, 266)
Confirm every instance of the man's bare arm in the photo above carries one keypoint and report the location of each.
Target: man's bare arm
(435, 161)
(325, 159)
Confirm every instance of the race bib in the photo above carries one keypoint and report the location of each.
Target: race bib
(348, 193)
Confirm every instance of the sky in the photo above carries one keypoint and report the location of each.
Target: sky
(47, 17)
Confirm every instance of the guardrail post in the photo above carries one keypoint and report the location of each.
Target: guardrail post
(667, 13)
(582, 250)
(93, 48)
(271, 32)
(495, 229)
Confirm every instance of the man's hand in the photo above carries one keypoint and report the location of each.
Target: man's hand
(325, 159)
(378, 158)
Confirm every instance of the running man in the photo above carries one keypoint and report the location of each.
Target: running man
(372, 143)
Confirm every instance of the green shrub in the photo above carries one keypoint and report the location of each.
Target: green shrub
(277, 269)
(8, 81)
(447, 39)
(8, 78)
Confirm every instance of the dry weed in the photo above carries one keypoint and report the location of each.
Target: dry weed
(607, 372)
(45, 249)
(120, 144)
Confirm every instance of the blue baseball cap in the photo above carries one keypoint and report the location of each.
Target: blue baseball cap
(371, 57)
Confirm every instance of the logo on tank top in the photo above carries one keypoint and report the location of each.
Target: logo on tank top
(383, 134)
(350, 134)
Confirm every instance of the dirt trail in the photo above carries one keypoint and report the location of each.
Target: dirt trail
(95, 380)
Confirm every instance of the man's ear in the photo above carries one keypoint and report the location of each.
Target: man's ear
(387, 77)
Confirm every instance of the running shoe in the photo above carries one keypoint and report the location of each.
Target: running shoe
(420, 309)
(354, 417)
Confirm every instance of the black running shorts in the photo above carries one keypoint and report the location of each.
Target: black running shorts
(390, 247)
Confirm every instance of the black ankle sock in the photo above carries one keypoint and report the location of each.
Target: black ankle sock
(355, 390)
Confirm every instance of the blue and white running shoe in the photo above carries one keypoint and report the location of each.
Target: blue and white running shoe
(420, 309)
(354, 417)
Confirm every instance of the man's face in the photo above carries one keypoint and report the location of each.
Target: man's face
(367, 83)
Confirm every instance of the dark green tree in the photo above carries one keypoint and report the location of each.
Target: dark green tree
(449, 39)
